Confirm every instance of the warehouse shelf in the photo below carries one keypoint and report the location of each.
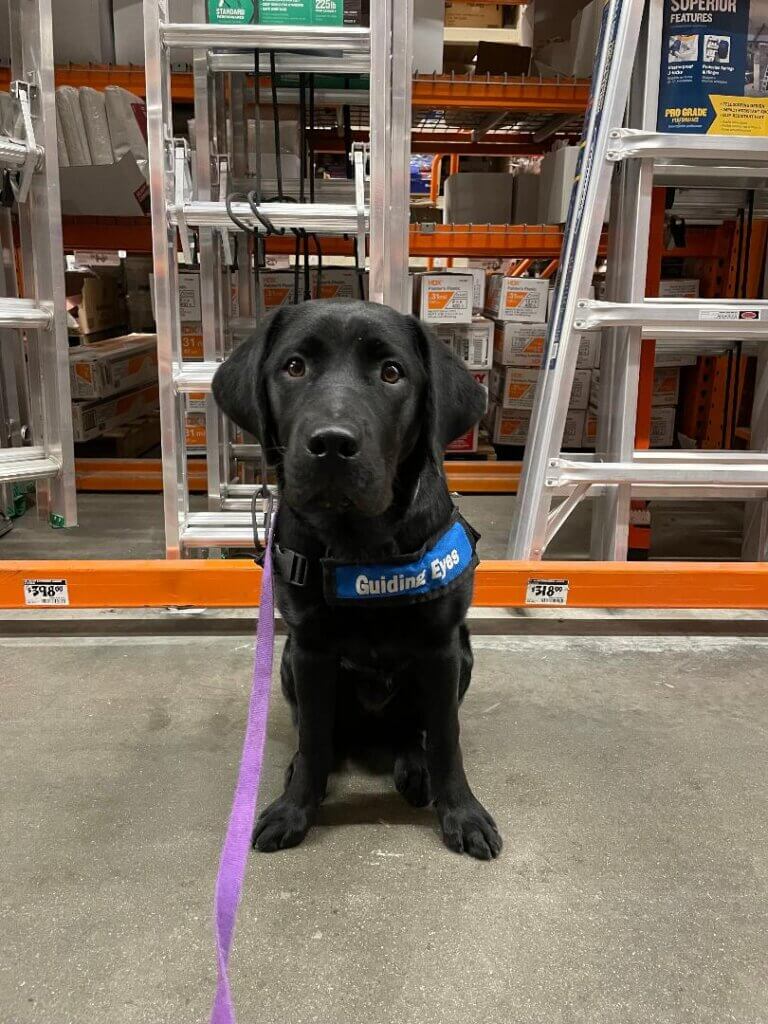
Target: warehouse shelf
(99, 76)
(471, 477)
(521, 93)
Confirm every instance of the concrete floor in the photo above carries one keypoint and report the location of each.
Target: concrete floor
(628, 778)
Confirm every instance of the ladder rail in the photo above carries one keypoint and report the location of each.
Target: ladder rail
(610, 91)
(40, 232)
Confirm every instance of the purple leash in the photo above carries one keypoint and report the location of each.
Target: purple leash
(237, 844)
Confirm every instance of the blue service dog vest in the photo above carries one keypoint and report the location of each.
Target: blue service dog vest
(434, 570)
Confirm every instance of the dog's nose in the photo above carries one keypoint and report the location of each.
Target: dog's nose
(335, 442)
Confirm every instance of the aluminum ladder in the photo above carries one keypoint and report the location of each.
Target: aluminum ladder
(183, 203)
(635, 157)
(37, 438)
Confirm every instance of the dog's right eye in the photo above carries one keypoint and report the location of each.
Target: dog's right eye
(295, 367)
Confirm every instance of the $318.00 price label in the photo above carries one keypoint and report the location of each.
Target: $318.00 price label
(46, 592)
(547, 592)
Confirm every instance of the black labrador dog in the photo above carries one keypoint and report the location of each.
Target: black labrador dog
(354, 404)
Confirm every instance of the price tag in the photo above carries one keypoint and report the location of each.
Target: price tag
(46, 592)
(92, 258)
(547, 592)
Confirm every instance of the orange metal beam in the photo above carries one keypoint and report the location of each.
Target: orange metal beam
(495, 92)
(127, 475)
(537, 241)
(99, 76)
(235, 584)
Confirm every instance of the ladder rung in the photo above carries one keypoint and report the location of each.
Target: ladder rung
(23, 313)
(13, 152)
(321, 39)
(718, 318)
(191, 377)
(288, 63)
(702, 455)
(633, 142)
(250, 452)
(221, 530)
(671, 471)
(323, 218)
(27, 464)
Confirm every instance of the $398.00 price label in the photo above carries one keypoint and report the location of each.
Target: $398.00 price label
(46, 592)
(547, 592)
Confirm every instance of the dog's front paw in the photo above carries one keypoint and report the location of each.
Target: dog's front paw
(412, 778)
(283, 824)
(469, 828)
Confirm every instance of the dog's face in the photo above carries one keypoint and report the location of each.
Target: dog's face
(341, 395)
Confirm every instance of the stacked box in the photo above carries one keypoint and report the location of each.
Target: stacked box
(463, 14)
(523, 299)
(338, 284)
(90, 419)
(514, 387)
(444, 298)
(467, 443)
(472, 343)
(666, 386)
(679, 288)
(662, 434)
(478, 275)
(511, 426)
(106, 368)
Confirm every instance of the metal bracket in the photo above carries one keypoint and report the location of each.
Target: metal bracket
(182, 179)
(361, 154)
(23, 92)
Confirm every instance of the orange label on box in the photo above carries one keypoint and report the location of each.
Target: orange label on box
(83, 371)
(439, 299)
(518, 389)
(275, 296)
(192, 345)
(515, 299)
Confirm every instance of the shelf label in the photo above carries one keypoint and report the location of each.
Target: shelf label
(553, 592)
(46, 592)
(230, 12)
(94, 258)
(730, 314)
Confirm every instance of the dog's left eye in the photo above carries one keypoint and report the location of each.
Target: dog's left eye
(391, 373)
(295, 367)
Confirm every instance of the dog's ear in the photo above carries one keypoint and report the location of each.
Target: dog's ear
(455, 401)
(239, 387)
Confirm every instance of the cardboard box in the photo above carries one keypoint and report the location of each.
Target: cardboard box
(666, 386)
(109, 367)
(277, 288)
(101, 306)
(82, 32)
(467, 443)
(582, 380)
(515, 387)
(444, 298)
(679, 288)
(662, 433)
(482, 377)
(574, 428)
(472, 343)
(337, 284)
(105, 190)
(508, 426)
(459, 14)
(190, 308)
(589, 351)
(478, 197)
(519, 344)
(478, 290)
(525, 203)
(523, 299)
(92, 418)
(194, 431)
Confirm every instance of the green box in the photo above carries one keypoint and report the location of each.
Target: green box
(286, 12)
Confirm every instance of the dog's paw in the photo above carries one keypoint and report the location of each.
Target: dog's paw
(469, 828)
(412, 778)
(280, 826)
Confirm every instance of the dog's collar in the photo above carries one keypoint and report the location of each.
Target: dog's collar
(433, 570)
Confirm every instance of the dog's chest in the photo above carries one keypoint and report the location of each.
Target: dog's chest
(374, 672)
